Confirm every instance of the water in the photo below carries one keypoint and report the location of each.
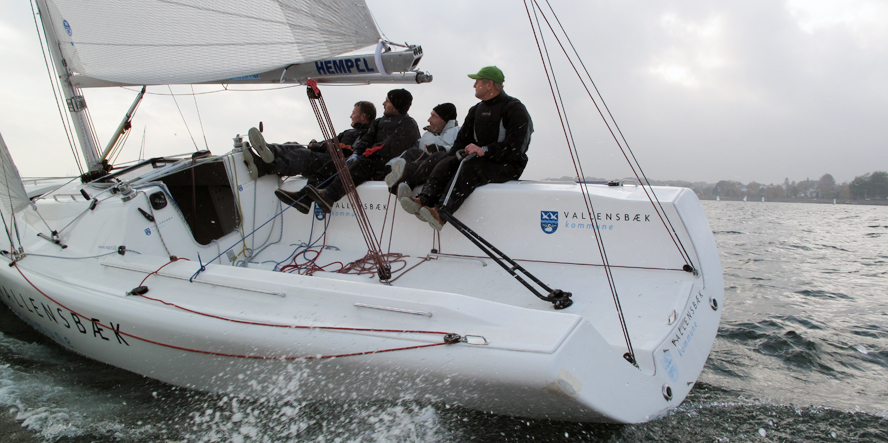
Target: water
(802, 355)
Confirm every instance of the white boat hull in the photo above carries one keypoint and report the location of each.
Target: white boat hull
(241, 328)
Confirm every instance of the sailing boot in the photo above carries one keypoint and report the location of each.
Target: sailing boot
(397, 172)
(319, 196)
(432, 216)
(257, 165)
(297, 199)
(257, 142)
(404, 190)
(411, 205)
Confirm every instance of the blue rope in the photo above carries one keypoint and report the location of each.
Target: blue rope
(296, 251)
(305, 246)
(244, 262)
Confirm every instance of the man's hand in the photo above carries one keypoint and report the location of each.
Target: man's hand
(475, 149)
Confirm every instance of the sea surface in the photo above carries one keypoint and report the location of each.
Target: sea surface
(801, 356)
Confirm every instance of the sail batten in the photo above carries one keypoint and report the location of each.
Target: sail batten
(199, 41)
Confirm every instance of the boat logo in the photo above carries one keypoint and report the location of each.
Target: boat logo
(147, 231)
(549, 221)
(67, 27)
(318, 213)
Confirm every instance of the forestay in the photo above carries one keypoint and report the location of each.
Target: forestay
(197, 41)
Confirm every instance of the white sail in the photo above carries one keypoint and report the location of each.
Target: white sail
(13, 197)
(197, 41)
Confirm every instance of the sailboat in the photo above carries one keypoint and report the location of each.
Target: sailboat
(559, 300)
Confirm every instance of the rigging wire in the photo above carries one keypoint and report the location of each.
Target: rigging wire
(183, 118)
(224, 89)
(118, 148)
(90, 126)
(376, 23)
(228, 89)
(142, 148)
(633, 163)
(121, 142)
(66, 125)
(199, 119)
(559, 105)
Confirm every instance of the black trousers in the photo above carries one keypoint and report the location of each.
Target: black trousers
(294, 159)
(418, 171)
(475, 172)
(362, 169)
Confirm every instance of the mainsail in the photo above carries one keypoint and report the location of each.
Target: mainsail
(150, 42)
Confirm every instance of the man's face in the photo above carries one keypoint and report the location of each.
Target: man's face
(389, 108)
(482, 88)
(358, 116)
(436, 123)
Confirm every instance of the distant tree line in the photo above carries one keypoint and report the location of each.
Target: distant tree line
(870, 186)
(873, 185)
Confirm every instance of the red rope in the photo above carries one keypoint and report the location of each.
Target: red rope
(221, 354)
(424, 259)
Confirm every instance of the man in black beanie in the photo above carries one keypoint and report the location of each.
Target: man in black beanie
(388, 137)
(414, 166)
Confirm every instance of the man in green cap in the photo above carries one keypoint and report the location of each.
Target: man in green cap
(497, 130)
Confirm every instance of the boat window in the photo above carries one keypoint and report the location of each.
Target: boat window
(204, 196)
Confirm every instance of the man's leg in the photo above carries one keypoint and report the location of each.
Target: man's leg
(477, 173)
(361, 170)
(400, 165)
(290, 161)
(419, 172)
(438, 180)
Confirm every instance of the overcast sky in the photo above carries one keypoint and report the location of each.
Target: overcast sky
(703, 91)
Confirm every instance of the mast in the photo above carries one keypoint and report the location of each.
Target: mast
(73, 97)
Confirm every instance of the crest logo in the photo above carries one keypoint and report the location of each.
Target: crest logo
(549, 221)
(318, 213)
(147, 231)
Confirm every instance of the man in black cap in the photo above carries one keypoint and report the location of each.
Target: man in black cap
(497, 130)
(388, 137)
(414, 165)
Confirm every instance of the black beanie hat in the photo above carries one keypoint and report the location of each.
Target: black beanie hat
(447, 111)
(401, 99)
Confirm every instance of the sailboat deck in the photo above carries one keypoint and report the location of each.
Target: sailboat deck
(653, 297)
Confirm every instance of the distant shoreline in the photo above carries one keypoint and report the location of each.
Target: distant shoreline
(839, 201)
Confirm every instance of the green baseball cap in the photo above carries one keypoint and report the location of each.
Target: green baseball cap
(490, 73)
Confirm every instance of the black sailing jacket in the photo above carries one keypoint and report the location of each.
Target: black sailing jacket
(396, 133)
(500, 124)
(348, 137)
